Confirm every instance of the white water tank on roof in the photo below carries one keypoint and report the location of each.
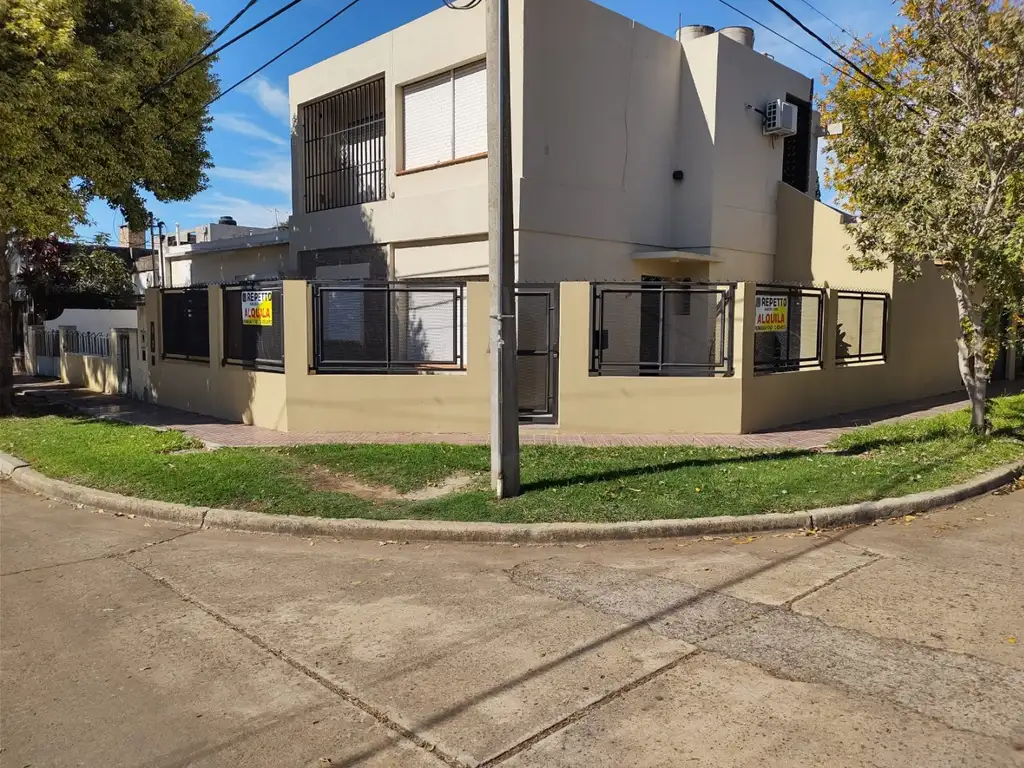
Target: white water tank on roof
(742, 35)
(693, 31)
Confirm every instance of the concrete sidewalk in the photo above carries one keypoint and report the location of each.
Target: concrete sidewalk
(128, 642)
(215, 432)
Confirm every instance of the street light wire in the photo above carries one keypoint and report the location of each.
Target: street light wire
(833, 22)
(207, 56)
(225, 28)
(781, 36)
(267, 63)
(827, 45)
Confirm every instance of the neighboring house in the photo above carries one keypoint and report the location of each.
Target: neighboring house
(224, 252)
(634, 154)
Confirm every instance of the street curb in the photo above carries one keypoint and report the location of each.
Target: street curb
(430, 530)
(26, 477)
(440, 530)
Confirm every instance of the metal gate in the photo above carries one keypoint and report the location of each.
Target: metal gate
(46, 348)
(537, 358)
(124, 362)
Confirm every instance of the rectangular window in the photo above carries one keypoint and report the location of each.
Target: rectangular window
(343, 148)
(796, 150)
(446, 117)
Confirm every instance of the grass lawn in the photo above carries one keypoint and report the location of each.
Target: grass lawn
(559, 484)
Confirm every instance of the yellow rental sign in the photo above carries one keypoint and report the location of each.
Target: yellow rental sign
(257, 308)
(771, 314)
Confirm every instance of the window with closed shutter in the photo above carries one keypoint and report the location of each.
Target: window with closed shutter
(428, 122)
(445, 117)
(471, 111)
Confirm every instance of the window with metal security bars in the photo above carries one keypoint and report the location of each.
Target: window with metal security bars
(388, 327)
(861, 326)
(445, 117)
(254, 339)
(185, 323)
(787, 328)
(343, 148)
(662, 329)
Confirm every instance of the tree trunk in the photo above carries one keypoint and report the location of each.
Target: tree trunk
(6, 331)
(974, 366)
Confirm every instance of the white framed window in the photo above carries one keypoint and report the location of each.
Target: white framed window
(445, 117)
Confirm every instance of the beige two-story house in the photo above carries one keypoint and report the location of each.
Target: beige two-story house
(634, 154)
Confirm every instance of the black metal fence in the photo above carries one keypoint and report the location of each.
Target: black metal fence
(185, 323)
(862, 324)
(254, 325)
(662, 329)
(787, 328)
(537, 351)
(87, 343)
(363, 327)
(46, 343)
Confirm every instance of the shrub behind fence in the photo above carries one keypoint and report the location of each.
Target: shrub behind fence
(388, 327)
(660, 328)
(185, 321)
(254, 325)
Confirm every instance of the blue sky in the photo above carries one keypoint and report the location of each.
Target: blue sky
(249, 142)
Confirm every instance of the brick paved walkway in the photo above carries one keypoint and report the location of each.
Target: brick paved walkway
(215, 432)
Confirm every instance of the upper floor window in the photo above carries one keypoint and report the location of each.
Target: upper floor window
(446, 117)
(343, 148)
(796, 150)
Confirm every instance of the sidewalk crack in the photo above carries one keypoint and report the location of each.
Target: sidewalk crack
(377, 714)
(579, 714)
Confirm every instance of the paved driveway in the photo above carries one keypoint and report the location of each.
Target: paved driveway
(134, 643)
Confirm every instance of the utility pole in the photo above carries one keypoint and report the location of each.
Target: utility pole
(501, 245)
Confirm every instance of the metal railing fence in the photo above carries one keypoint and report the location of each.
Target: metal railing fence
(662, 328)
(254, 325)
(862, 326)
(393, 327)
(87, 343)
(185, 323)
(787, 328)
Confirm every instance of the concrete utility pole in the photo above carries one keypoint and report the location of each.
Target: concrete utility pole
(504, 399)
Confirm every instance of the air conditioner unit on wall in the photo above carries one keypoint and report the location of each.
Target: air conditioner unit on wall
(779, 118)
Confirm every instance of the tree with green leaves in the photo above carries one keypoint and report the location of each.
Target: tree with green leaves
(931, 157)
(81, 118)
(57, 275)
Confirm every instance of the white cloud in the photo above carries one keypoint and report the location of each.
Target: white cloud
(272, 100)
(268, 171)
(243, 125)
(212, 205)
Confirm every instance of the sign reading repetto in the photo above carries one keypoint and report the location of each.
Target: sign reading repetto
(257, 308)
(770, 313)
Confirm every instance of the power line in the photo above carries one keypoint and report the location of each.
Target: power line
(225, 28)
(831, 21)
(266, 64)
(206, 57)
(828, 45)
(779, 35)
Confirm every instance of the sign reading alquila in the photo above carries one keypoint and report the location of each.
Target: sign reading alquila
(257, 308)
(771, 314)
